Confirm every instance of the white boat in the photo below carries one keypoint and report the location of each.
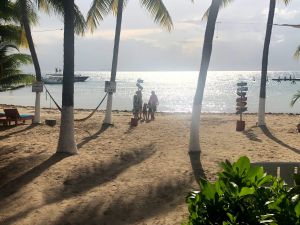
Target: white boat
(57, 77)
(52, 79)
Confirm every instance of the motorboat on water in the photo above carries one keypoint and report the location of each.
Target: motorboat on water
(57, 77)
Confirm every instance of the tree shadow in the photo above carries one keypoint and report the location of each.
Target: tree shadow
(17, 132)
(159, 199)
(16, 184)
(268, 133)
(197, 165)
(86, 140)
(17, 166)
(251, 135)
(85, 178)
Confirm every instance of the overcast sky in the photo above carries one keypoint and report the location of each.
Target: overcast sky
(144, 45)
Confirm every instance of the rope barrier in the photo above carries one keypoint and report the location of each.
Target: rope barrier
(57, 105)
(78, 120)
(92, 113)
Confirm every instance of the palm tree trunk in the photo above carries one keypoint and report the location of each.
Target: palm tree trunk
(264, 68)
(25, 22)
(194, 145)
(66, 142)
(108, 119)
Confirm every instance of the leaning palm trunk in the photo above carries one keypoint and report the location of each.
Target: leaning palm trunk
(25, 23)
(107, 119)
(264, 69)
(194, 145)
(66, 142)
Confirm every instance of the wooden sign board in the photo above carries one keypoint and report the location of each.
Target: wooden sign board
(240, 84)
(241, 93)
(37, 87)
(241, 99)
(110, 86)
(242, 89)
(241, 104)
(240, 110)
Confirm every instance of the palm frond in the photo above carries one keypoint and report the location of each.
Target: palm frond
(43, 5)
(57, 7)
(286, 2)
(10, 33)
(114, 6)
(160, 13)
(295, 98)
(297, 53)
(98, 10)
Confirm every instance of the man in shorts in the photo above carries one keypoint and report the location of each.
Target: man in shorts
(153, 102)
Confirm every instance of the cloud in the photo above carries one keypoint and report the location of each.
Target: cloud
(283, 14)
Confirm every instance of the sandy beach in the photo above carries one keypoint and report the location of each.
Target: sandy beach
(123, 174)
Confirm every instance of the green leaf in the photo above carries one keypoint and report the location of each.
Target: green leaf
(242, 165)
(297, 210)
(207, 189)
(247, 191)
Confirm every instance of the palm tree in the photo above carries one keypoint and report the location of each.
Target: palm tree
(100, 8)
(66, 141)
(194, 145)
(264, 68)
(26, 10)
(9, 66)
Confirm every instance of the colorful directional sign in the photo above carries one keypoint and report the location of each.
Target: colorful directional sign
(241, 84)
(241, 99)
(241, 104)
(242, 89)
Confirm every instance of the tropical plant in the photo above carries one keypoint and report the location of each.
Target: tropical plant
(244, 195)
(100, 8)
(264, 68)
(26, 14)
(295, 98)
(10, 74)
(194, 145)
(297, 52)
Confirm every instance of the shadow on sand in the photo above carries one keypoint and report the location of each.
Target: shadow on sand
(251, 135)
(17, 183)
(196, 165)
(2, 137)
(158, 199)
(86, 140)
(17, 166)
(268, 133)
(85, 178)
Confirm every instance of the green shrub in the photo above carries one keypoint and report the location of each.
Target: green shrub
(244, 195)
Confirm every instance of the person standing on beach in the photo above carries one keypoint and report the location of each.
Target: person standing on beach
(140, 102)
(153, 102)
(136, 105)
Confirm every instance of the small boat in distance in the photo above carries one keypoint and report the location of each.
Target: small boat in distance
(57, 77)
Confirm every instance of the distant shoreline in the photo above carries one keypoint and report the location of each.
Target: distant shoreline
(129, 111)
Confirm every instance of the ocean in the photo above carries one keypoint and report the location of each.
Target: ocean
(175, 91)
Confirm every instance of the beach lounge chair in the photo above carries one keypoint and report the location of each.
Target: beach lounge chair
(285, 170)
(13, 115)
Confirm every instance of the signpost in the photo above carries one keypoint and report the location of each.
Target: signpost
(241, 103)
(110, 86)
(37, 87)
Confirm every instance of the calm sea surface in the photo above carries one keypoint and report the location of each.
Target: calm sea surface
(175, 91)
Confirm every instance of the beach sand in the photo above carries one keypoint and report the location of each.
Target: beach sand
(123, 174)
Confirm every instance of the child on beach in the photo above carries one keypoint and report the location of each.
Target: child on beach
(145, 112)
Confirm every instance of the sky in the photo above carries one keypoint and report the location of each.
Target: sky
(238, 41)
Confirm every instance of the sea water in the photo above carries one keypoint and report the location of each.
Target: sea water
(175, 91)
